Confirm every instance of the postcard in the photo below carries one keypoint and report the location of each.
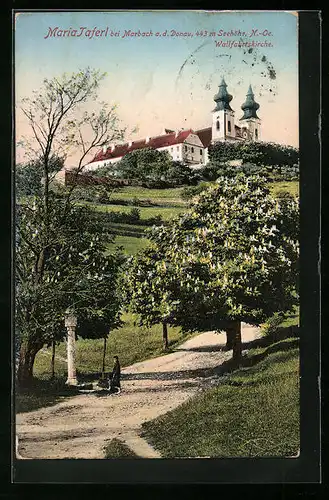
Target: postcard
(157, 200)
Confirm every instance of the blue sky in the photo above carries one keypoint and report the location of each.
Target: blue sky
(168, 81)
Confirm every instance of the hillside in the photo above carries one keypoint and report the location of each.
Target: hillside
(254, 412)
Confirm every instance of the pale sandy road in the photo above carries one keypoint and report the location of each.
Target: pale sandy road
(80, 426)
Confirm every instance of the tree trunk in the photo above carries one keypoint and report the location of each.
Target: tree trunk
(165, 335)
(104, 356)
(237, 342)
(229, 338)
(53, 359)
(27, 356)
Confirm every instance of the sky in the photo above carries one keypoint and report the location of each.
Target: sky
(166, 80)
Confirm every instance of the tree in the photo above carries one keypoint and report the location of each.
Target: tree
(233, 257)
(75, 274)
(103, 312)
(29, 176)
(257, 153)
(179, 174)
(146, 165)
(152, 168)
(59, 256)
(148, 290)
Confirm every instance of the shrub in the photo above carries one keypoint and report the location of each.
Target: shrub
(284, 195)
(135, 214)
(103, 196)
(191, 191)
(131, 217)
(210, 172)
(258, 153)
(271, 327)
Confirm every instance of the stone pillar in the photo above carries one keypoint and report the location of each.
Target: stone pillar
(71, 323)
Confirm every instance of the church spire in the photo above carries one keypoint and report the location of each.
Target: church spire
(222, 98)
(250, 106)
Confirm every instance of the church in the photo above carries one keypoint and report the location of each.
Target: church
(191, 146)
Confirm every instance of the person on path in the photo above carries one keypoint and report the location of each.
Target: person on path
(115, 386)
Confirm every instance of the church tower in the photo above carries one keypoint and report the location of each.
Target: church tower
(250, 120)
(223, 127)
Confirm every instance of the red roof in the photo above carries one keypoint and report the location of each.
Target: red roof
(205, 135)
(161, 141)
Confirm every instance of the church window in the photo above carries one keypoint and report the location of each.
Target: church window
(256, 133)
(229, 126)
(200, 151)
(192, 149)
(185, 148)
(177, 148)
(217, 125)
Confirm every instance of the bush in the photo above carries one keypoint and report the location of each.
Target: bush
(271, 327)
(258, 153)
(272, 173)
(103, 197)
(210, 172)
(191, 191)
(135, 214)
(131, 217)
(284, 195)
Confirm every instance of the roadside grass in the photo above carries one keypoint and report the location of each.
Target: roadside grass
(253, 412)
(118, 449)
(278, 324)
(291, 318)
(291, 187)
(131, 343)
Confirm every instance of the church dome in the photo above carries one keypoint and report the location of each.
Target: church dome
(222, 98)
(250, 106)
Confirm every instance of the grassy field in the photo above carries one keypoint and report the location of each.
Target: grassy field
(170, 196)
(131, 343)
(174, 195)
(130, 244)
(175, 206)
(254, 412)
(291, 187)
(167, 213)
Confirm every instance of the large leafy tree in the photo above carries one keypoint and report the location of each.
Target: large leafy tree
(149, 289)
(151, 167)
(75, 274)
(29, 176)
(102, 312)
(233, 256)
(59, 254)
(143, 165)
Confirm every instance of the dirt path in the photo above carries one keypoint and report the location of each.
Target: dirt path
(80, 426)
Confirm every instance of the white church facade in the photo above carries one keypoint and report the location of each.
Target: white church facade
(189, 146)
